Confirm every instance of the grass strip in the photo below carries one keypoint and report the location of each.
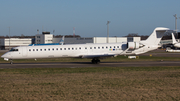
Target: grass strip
(97, 83)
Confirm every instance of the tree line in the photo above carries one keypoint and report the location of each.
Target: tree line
(167, 36)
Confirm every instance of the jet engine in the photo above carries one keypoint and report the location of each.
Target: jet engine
(134, 45)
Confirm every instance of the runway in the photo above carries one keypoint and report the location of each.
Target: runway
(88, 64)
(158, 53)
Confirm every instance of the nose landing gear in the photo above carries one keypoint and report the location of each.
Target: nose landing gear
(11, 61)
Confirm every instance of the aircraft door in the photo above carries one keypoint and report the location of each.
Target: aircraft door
(24, 51)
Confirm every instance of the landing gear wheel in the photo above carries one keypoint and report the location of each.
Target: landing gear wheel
(95, 61)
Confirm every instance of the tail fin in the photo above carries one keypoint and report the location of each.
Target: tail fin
(61, 42)
(173, 39)
(156, 36)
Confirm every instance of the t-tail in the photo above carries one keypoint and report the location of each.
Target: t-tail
(152, 42)
(156, 36)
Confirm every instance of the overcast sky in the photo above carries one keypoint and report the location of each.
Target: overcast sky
(89, 17)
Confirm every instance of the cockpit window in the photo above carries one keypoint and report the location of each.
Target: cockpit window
(14, 49)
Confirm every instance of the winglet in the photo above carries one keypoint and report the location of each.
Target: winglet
(173, 39)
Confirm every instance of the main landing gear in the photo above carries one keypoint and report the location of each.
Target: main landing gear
(95, 61)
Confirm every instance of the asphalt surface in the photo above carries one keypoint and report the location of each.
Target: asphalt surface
(102, 64)
(88, 64)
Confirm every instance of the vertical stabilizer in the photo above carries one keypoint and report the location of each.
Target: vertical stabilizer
(173, 39)
(156, 36)
(61, 42)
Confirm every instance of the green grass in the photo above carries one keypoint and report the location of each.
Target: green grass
(97, 83)
(84, 70)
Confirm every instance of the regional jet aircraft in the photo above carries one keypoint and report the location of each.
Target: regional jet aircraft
(92, 51)
(175, 43)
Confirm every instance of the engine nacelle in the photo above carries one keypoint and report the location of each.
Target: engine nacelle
(133, 45)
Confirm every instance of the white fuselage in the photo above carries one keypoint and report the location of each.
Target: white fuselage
(76, 50)
(73, 50)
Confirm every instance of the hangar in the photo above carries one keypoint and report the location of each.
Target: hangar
(8, 43)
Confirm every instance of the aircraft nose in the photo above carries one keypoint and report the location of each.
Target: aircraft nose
(4, 55)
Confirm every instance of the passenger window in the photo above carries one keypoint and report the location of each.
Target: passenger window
(85, 47)
(49, 49)
(94, 47)
(68, 48)
(36, 49)
(56, 48)
(72, 48)
(44, 49)
(114, 46)
(53, 49)
(80, 48)
(102, 47)
(110, 47)
(29, 49)
(60, 48)
(64, 48)
(33, 49)
(117, 46)
(90, 47)
(106, 47)
(40, 49)
(98, 47)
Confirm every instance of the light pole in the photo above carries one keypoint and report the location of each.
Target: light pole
(175, 22)
(9, 38)
(108, 31)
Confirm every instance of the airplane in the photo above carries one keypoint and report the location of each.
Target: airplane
(92, 51)
(61, 42)
(174, 42)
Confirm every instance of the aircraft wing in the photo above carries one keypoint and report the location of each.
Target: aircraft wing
(98, 56)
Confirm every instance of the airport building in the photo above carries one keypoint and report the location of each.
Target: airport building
(97, 40)
(46, 37)
(8, 43)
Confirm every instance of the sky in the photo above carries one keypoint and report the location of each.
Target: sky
(88, 17)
